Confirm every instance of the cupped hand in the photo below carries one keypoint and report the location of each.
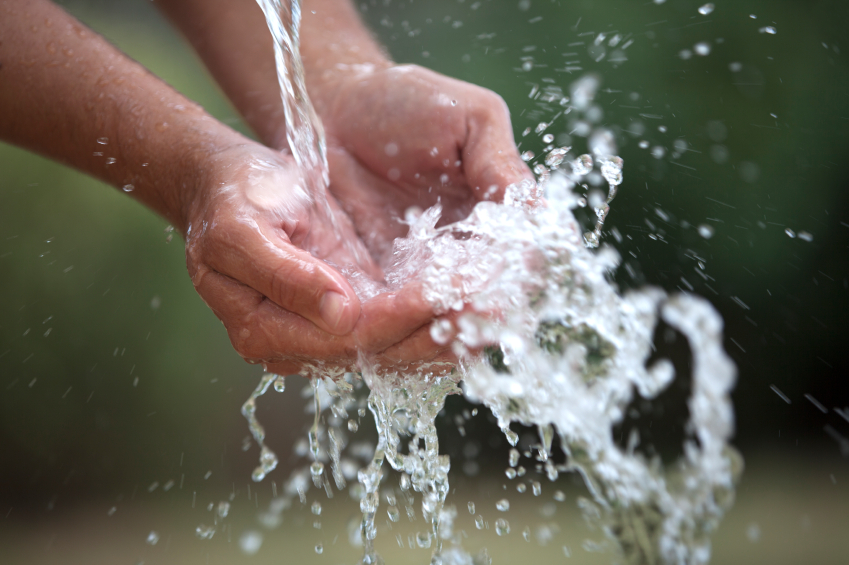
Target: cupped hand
(263, 254)
(403, 138)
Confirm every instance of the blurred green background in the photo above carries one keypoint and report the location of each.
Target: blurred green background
(114, 375)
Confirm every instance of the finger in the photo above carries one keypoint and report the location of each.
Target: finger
(491, 160)
(261, 331)
(391, 317)
(290, 277)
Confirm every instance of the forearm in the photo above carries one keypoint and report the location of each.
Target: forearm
(233, 40)
(68, 94)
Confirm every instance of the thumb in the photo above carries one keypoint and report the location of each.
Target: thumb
(291, 278)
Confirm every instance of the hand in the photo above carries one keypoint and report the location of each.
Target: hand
(403, 136)
(251, 228)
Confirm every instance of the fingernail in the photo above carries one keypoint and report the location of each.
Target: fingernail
(332, 308)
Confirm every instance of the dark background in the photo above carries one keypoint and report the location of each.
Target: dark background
(94, 298)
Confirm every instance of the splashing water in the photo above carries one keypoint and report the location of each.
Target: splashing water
(543, 339)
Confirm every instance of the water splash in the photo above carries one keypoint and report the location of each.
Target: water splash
(542, 337)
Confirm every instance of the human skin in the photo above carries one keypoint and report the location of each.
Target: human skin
(240, 204)
(398, 136)
(393, 130)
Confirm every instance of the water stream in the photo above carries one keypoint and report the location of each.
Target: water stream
(566, 353)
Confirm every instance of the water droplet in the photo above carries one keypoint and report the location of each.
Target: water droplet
(805, 236)
(644, 144)
(280, 383)
(556, 156)
(611, 170)
(393, 513)
(548, 138)
(790, 233)
(753, 532)
(479, 522)
(514, 457)
(706, 9)
(267, 463)
(102, 140)
(512, 437)
(441, 331)
(319, 549)
(472, 508)
(559, 496)
(502, 527)
(503, 505)
(582, 165)
(316, 470)
(511, 473)
(391, 149)
(706, 231)
(111, 160)
(537, 488)
(316, 508)
(768, 29)
(702, 48)
(527, 156)
(521, 487)
(128, 188)
(205, 532)
(353, 426)
(250, 542)
(223, 509)
(423, 539)
(152, 538)
(658, 152)
(527, 65)
(526, 534)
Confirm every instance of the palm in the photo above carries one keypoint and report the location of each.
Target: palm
(407, 137)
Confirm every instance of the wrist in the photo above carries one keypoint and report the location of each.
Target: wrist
(196, 165)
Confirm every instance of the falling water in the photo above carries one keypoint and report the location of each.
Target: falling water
(543, 339)
(304, 131)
